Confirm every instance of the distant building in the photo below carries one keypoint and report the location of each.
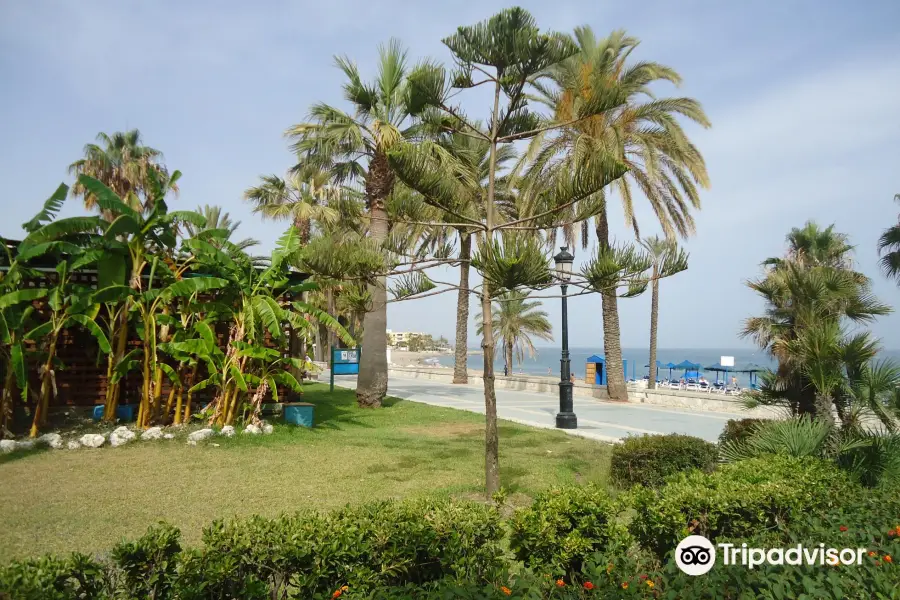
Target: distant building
(416, 341)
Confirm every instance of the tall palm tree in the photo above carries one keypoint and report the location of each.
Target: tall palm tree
(123, 163)
(302, 200)
(658, 249)
(353, 147)
(889, 249)
(516, 321)
(217, 219)
(645, 133)
(811, 294)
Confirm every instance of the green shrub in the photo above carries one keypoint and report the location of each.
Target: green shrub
(737, 500)
(149, 564)
(871, 458)
(648, 460)
(386, 543)
(53, 578)
(738, 430)
(563, 526)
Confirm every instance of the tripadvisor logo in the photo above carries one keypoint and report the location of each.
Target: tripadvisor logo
(696, 555)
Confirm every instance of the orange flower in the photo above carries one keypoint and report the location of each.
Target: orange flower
(873, 554)
(650, 584)
(643, 577)
(624, 585)
(560, 583)
(609, 568)
(337, 593)
(887, 558)
(506, 590)
(893, 532)
(843, 528)
(588, 585)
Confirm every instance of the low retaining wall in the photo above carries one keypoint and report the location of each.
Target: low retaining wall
(697, 401)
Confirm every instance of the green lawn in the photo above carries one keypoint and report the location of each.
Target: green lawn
(86, 500)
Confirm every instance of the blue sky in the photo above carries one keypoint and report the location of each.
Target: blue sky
(802, 95)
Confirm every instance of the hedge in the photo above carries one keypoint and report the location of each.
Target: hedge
(648, 460)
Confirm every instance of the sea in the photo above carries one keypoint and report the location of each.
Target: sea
(546, 361)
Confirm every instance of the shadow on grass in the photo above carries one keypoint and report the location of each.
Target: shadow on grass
(334, 410)
(15, 455)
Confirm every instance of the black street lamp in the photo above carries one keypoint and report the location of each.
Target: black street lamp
(565, 418)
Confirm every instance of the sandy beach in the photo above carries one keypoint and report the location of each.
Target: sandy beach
(405, 358)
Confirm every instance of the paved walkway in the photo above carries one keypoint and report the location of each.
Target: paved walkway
(606, 421)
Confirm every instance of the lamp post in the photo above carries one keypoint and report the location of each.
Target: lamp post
(565, 418)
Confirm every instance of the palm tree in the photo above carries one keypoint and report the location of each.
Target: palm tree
(516, 321)
(353, 147)
(217, 219)
(300, 200)
(658, 249)
(644, 133)
(121, 162)
(811, 294)
(889, 250)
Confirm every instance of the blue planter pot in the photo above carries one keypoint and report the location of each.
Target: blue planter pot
(124, 412)
(299, 413)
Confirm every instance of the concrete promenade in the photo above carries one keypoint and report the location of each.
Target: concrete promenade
(597, 419)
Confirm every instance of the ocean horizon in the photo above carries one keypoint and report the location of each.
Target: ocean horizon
(546, 360)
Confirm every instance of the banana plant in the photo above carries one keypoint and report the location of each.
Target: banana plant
(124, 247)
(263, 307)
(270, 369)
(15, 317)
(69, 305)
(151, 306)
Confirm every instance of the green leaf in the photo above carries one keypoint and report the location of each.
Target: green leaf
(113, 293)
(193, 285)
(107, 199)
(206, 333)
(39, 331)
(286, 379)
(170, 373)
(26, 295)
(269, 313)
(238, 377)
(202, 385)
(111, 269)
(254, 351)
(91, 325)
(188, 216)
(123, 224)
(5, 337)
(61, 228)
(17, 359)
(49, 210)
(35, 250)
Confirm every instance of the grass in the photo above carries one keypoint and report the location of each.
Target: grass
(87, 500)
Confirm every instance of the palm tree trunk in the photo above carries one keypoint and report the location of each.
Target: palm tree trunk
(460, 359)
(654, 315)
(509, 357)
(612, 346)
(371, 385)
(824, 408)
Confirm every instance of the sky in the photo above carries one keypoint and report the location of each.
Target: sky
(802, 95)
